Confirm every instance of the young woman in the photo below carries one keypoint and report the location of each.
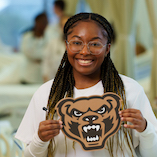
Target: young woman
(86, 69)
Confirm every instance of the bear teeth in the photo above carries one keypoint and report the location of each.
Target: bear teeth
(87, 128)
(92, 139)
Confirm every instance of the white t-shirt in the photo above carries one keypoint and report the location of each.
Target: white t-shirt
(146, 142)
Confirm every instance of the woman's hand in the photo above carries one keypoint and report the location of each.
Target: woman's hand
(135, 117)
(49, 129)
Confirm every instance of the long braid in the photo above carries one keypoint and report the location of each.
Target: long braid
(60, 82)
(113, 83)
(64, 83)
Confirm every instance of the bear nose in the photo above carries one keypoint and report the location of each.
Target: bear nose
(90, 118)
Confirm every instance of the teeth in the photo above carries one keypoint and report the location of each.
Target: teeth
(85, 61)
(93, 126)
(86, 128)
(91, 139)
(97, 127)
(89, 127)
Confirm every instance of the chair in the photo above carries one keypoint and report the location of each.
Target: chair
(4, 146)
(17, 147)
(5, 140)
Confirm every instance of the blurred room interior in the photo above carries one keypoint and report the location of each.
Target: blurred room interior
(133, 51)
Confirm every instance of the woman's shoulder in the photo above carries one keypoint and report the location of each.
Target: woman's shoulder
(129, 80)
(130, 83)
(134, 91)
(44, 89)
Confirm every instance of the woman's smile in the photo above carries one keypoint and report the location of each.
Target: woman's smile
(85, 62)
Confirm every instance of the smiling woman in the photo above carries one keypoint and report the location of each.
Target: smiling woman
(86, 69)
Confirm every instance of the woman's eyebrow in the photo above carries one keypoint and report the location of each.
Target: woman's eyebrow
(96, 38)
(75, 36)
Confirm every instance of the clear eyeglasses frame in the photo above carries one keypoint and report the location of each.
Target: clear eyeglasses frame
(94, 47)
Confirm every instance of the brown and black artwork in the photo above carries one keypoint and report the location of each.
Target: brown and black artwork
(90, 121)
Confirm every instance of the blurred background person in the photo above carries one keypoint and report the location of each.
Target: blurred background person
(55, 30)
(56, 46)
(32, 46)
(53, 54)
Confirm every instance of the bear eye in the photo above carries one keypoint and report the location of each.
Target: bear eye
(77, 113)
(101, 110)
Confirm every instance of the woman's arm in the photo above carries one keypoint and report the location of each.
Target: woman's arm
(148, 141)
(37, 148)
(144, 124)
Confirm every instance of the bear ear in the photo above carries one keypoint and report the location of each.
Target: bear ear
(113, 98)
(112, 95)
(63, 105)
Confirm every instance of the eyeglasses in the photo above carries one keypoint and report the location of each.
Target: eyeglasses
(94, 47)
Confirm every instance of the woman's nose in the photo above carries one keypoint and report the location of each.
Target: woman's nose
(85, 50)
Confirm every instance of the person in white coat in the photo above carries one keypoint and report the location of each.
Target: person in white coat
(53, 54)
(52, 58)
(54, 30)
(32, 47)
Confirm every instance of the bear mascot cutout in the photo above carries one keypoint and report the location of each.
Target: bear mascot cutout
(90, 121)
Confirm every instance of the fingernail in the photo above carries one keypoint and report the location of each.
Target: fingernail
(60, 122)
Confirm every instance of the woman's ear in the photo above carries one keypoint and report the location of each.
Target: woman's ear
(66, 45)
(108, 49)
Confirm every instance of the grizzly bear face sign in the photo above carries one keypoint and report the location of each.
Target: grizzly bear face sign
(90, 121)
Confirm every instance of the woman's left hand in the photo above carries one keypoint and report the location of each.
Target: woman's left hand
(135, 117)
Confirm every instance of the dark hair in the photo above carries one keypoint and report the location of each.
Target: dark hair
(60, 4)
(90, 16)
(64, 82)
(37, 17)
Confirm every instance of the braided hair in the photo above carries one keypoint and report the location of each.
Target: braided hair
(64, 82)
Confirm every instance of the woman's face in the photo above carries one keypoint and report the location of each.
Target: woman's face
(84, 63)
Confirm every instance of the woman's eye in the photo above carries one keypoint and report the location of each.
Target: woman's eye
(77, 43)
(77, 113)
(102, 110)
(95, 44)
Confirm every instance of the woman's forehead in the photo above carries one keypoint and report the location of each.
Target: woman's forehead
(87, 27)
(86, 21)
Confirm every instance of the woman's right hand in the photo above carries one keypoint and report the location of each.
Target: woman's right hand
(49, 129)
